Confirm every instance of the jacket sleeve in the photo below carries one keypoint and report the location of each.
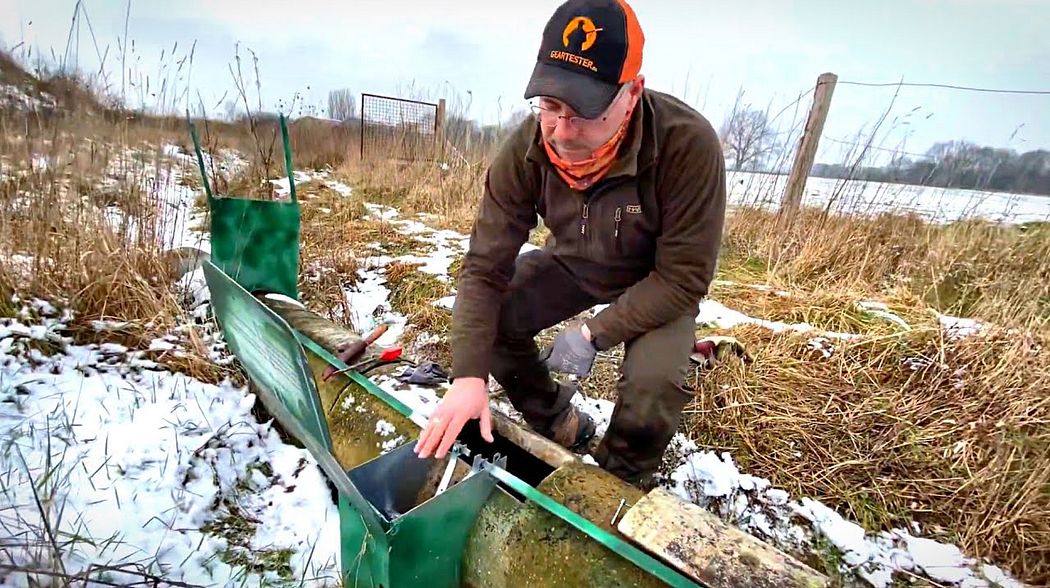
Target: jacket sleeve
(692, 191)
(505, 216)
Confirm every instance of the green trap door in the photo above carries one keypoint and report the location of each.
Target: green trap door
(255, 242)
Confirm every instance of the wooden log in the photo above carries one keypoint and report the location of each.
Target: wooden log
(330, 336)
(703, 547)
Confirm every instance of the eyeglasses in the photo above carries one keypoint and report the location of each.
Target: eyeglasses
(549, 117)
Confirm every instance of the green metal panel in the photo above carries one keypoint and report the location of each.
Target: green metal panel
(426, 539)
(380, 545)
(268, 351)
(255, 242)
(271, 355)
(364, 553)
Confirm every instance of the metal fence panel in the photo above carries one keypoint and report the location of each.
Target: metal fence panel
(398, 128)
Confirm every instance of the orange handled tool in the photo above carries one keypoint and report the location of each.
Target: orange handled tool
(352, 350)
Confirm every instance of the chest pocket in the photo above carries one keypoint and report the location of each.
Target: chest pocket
(629, 230)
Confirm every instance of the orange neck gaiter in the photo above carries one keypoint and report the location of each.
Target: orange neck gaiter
(580, 175)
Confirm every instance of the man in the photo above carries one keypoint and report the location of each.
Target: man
(631, 184)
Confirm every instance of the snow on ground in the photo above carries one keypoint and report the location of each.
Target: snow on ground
(707, 478)
(861, 197)
(714, 314)
(160, 177)
(957, 327)
(282, 187)
(183, 222)
(881, 310)
(13, 97)
(147, 470)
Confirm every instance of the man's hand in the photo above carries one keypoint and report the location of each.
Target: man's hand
(467, 399)
(572, 352)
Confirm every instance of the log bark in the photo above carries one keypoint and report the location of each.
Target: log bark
(703, 547)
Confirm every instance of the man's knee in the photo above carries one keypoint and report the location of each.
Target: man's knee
(657, 362)
(651, 400)
(652, 394)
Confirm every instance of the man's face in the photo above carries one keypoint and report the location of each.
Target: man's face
(575, 138)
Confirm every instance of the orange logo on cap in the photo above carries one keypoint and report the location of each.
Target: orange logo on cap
(581, 22)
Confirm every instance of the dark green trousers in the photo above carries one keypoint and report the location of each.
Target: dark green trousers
(651, 390)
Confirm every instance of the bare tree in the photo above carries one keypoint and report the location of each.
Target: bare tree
(748, 140)
(342, 105)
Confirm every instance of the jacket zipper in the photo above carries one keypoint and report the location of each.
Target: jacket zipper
(583, 221)
(616, 232)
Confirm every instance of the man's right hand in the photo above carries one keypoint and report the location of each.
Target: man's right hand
(467, 399)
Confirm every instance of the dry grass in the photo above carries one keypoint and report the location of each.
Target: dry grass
(87, 229)
(952, 434)
(827, 310)
(968, 268)
(412, 292)
(327, 256)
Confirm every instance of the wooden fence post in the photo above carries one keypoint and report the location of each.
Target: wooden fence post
(439, 127)
(807, 147)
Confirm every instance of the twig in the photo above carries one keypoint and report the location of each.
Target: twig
(43, 513)
(147, 578)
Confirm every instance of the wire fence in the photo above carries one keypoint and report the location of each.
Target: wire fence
(398, 128)
(877, 168)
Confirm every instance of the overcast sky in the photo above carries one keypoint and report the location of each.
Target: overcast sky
(478, 54)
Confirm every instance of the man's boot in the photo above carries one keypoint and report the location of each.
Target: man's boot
(571, 428)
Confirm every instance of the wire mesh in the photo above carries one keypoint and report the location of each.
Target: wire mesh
(398, 128)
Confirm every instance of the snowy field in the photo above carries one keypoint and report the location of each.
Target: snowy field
(130, 471)
(109, 463)
(859, 197)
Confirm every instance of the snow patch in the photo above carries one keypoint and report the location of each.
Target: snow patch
(714, 314)
(714, 482)
(384, 428)
(13, 97)
(448, 302)
(957, 327)
(285, 299)
(822, 345)
(170, 454)
(882, 311)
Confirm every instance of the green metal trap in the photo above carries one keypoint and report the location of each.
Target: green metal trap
(386, 514)
(255, 242)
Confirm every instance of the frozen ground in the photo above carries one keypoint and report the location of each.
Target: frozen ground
(934, 204)
(120, 471)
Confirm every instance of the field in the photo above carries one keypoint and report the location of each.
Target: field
(893, 427)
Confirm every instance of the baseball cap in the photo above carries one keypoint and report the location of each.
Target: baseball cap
(589, 49)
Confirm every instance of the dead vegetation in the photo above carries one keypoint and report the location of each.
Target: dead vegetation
(996, 273)
(951, 433)
(83, 221)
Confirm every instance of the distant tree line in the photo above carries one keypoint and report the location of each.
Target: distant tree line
(958, 164)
